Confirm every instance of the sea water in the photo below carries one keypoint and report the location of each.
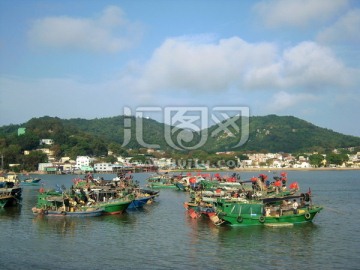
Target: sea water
(163, 236)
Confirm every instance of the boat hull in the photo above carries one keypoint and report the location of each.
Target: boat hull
(85, 213)
(7, 200)
(260, 220)
(10, 196)
(140, 202)
(160, 186)
(31, 182)
(116, 207)
(182, 187)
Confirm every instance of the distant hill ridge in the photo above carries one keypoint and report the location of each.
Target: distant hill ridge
(269, 133)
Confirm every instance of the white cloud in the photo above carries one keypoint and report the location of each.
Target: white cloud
(283, 100)
(284, 13)
(110, 32)
(343, 31)
(310, 66)
(181, 64)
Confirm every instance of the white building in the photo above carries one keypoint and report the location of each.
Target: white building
(103, 167)
(83, 161)
(164, 162)
(46, 141)
(42, 166)
(65, 159)
(302, 165)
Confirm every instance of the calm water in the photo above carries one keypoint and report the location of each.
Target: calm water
(162, 236)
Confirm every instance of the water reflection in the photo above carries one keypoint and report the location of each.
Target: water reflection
(10, 212)
(278, 247)
(62, 225)
(122, 219)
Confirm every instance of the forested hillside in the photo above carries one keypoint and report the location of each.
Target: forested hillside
(73, 137)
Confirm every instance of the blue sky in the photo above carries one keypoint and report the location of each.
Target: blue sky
(90, 59)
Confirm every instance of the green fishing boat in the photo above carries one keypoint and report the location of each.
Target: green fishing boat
(115, 206)
(53, 203)
(269, 211)
(157, 182)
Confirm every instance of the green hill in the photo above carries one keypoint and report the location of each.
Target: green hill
(269, 133)
(274, 133)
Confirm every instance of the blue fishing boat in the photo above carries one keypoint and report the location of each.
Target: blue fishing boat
(140, 201)
(30, 181)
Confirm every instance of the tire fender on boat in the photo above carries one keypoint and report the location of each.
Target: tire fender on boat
(239, 219)
(307, 215)
(63, 213)
(262, 219)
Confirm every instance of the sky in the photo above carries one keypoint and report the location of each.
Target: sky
(93, 59)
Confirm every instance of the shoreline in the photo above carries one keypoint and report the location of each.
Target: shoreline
(213, 170)
(265, 169)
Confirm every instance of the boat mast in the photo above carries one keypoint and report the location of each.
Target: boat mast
(2, 162)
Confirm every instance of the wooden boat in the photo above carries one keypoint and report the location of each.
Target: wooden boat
(140, 202)
(156, 193)
(160, 181)
(79, 212)
(53, 203)
(189, 182)
(142, 197)
(111, 204)
(265, 212)
(10, 192)
(30, 181)
(161, 185)
(112, 194)
(256, 204)
(6, 200)
(10, 196)
(9, 180)
(115, 206)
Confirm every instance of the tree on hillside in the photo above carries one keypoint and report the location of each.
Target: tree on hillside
(30, 162)
(11, 154)
(316, 160)
(28, 141)
(337, 159)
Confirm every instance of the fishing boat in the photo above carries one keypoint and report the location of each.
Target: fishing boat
(116, 195)
(108, 200)
(79, 212)
(269, 211)
(160, 181)
(10, 194)
(189, 182)
(9, 180)
(115, 206)
(6, 200)
(156, 193)
(54, 203)
(30, 181)
(252, 203)
(142, 197)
